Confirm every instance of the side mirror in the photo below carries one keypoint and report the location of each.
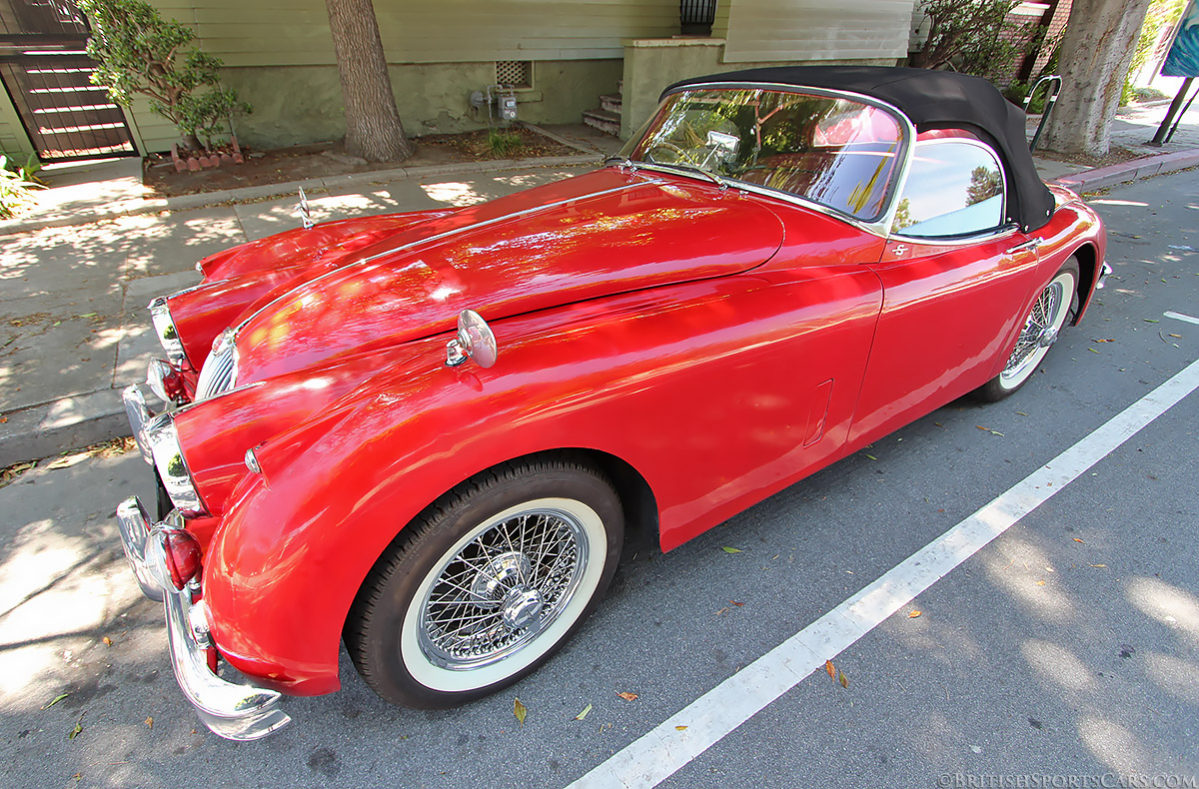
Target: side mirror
(475, 341)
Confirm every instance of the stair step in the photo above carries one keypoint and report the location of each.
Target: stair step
(611, 104)
(607, 122)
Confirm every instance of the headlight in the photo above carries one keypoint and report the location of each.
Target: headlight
(168, 335)
(172, 467)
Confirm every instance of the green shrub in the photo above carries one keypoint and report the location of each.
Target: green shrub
(140, 52)
(17, 184)
(504, 143)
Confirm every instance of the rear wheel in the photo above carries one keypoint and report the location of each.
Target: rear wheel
(1041, 328)
(488, 585)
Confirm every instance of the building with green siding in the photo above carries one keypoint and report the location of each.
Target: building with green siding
(560, 57)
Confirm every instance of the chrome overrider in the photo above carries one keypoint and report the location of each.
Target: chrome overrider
(232, 710)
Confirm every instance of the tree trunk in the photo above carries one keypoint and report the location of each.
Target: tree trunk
(1096, 52)
(373, 129)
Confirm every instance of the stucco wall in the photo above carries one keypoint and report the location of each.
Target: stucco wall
(294, 105)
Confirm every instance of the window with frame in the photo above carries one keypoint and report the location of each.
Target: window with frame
(955, 187)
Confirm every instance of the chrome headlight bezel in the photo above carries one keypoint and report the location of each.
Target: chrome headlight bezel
(163, 439)
(168, 335)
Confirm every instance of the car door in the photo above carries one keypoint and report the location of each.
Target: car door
(954, 277)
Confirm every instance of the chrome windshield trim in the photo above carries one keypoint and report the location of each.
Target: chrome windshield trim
(878, 226)
(429, 240)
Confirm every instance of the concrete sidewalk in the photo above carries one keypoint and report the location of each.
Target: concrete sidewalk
(73, 326)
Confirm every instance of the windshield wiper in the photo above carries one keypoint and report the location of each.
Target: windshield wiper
(691, 168)
(623, 161)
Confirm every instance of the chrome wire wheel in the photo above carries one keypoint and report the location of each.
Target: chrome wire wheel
(487, 583)
(503, 588)
(1041, 328)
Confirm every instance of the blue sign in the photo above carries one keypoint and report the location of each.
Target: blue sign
(1183, 59)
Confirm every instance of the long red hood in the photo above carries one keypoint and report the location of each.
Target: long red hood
(596, 235)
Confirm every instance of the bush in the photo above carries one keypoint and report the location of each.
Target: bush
(16, 185)
(138, 51)
(976, 37)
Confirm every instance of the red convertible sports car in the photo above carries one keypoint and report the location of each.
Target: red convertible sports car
(425, 434)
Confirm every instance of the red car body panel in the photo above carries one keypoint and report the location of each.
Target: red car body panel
(805, 335)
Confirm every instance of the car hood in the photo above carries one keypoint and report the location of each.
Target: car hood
(597, 235)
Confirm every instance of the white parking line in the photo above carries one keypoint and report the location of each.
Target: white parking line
(657, 755)
(1178, 316)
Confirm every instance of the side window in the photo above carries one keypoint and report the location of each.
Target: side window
(955, 187)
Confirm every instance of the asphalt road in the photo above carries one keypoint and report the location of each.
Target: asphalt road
(1068, 648)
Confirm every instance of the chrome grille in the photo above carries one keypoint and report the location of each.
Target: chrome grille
(219, 373)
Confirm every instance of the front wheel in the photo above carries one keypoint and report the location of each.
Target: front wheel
(1041, 329)
(487, 585)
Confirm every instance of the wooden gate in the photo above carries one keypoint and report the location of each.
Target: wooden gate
(47, 75)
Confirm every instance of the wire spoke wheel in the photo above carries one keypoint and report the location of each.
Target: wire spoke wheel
(1040, 331)
(487, 583)
(503, 589)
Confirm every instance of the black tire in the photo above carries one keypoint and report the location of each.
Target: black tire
(470, 599)
(1041, 328)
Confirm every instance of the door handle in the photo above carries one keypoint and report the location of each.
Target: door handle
(1027, 246)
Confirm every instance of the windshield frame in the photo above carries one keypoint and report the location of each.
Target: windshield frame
(879, 226)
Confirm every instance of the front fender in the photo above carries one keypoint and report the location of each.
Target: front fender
(650, 377)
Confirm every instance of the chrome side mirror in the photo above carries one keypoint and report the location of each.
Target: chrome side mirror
(475, 340)
(304, 211)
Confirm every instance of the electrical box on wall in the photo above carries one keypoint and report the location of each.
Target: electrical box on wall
(500, 101)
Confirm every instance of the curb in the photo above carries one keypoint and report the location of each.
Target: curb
(87, 418)
(1129, 171)
(10, 227)
(48, 429)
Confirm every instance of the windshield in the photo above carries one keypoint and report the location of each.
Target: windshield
(836, 152)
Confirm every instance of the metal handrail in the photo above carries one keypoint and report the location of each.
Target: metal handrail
(1055, 87)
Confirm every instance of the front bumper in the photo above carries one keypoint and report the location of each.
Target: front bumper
(231, 710)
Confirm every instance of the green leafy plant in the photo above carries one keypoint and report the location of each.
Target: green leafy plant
(17, 185)
(140, 52)
(976, 37)
(503, 143)
(1162, 15)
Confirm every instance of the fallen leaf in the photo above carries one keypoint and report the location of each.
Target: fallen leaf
(832, 672)
(1040, 583)
(1092, 350)
(1176, 336)
(107, 641)
(583, 714)
(624, 694)
(724, 610)
(150, 722)
(872, 457)
(1098, 565)
(88, 315)
(1150, 320)
(914, 614)
(727, 549)
(520, 711)
(1077, 540)
(75, 732)
(680, 728)
(1021, 413)
(3, 419)
(734, 602)
(843, 680)
(57, 699)
(1104, 340)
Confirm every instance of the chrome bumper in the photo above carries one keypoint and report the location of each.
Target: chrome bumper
(229, 709)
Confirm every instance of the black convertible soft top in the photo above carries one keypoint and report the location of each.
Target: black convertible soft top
(931, 100)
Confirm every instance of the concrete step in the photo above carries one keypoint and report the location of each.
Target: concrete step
(611, 103)
(607, 122)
